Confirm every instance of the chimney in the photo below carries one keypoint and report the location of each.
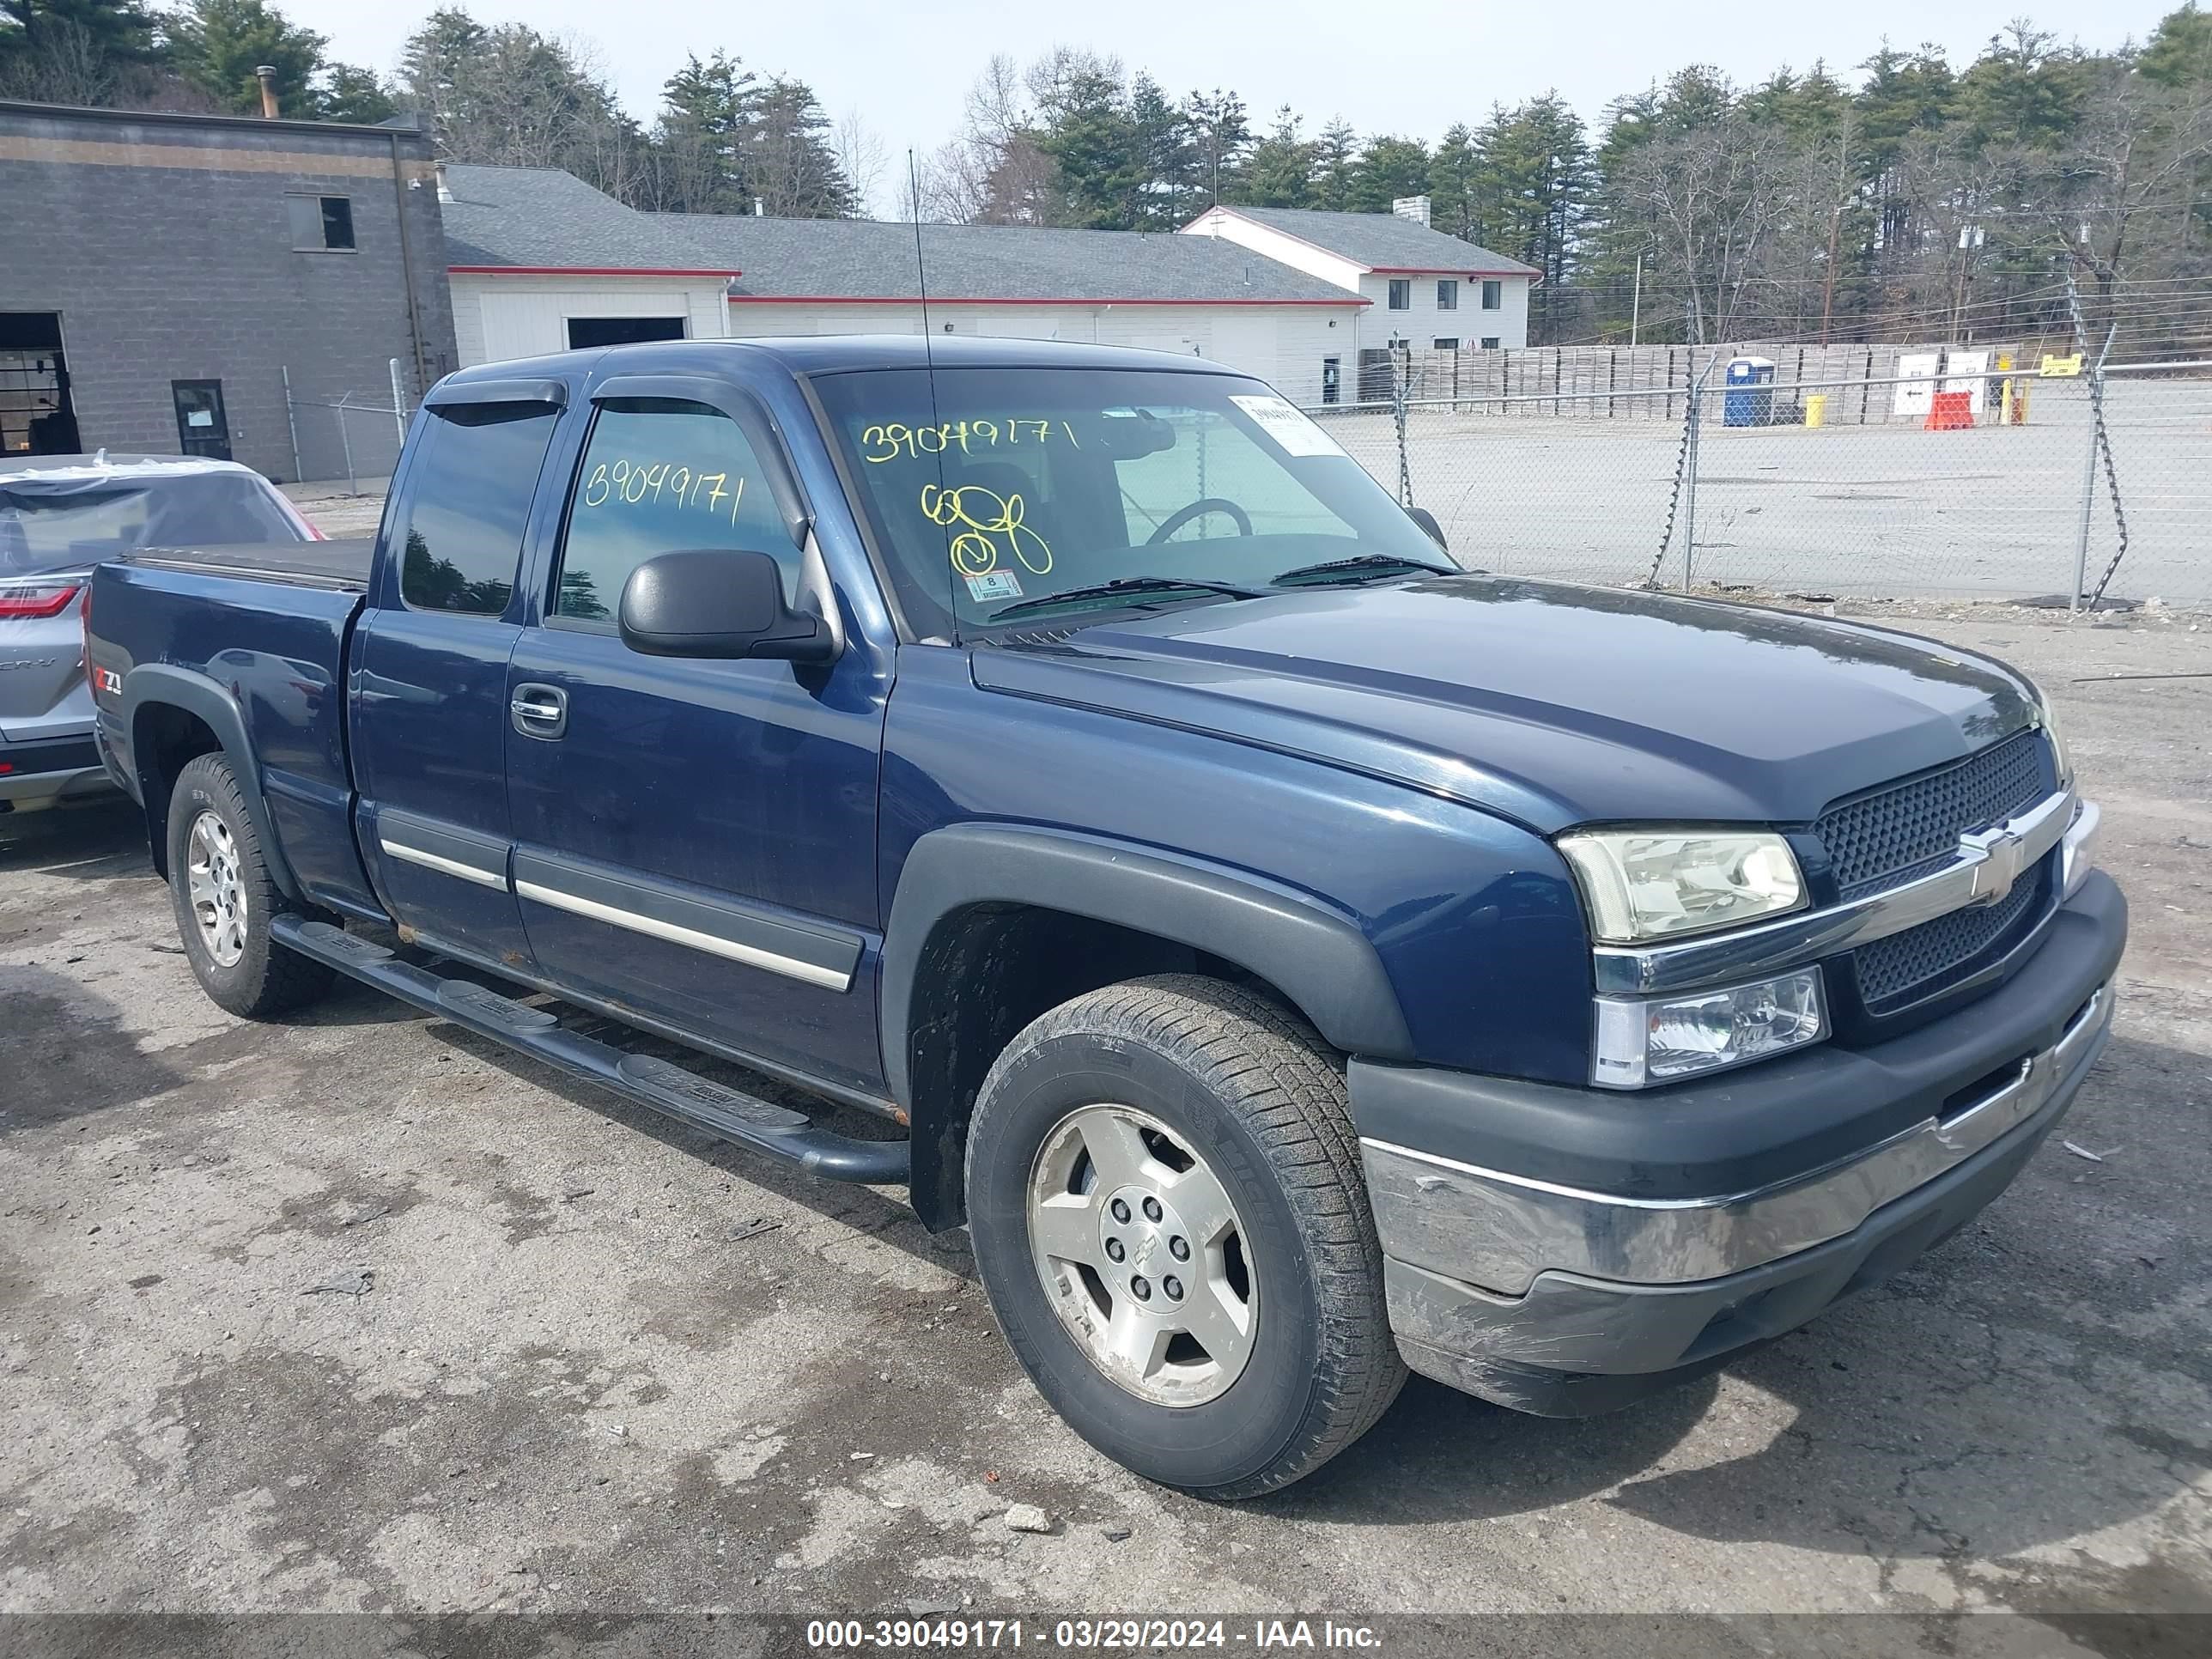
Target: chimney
(266, 73)
(445, 190)
(1415, 208)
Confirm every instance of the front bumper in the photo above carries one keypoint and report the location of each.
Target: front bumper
(40, 774)
(1573, 1268)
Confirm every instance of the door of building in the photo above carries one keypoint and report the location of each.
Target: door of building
(35, 416)
(202, 428)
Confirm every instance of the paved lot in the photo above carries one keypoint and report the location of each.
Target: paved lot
(587, 1376)
(1881, 509)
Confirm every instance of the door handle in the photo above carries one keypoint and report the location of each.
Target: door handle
(539, 711)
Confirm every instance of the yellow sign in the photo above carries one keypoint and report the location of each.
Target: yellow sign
(2060, 368)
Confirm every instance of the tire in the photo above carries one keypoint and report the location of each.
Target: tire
(240, 967)
(1253, 1098)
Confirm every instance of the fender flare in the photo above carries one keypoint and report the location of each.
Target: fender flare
(163, 686)
(1316, 955)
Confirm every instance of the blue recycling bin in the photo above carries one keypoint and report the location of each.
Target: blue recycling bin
(1749, 400)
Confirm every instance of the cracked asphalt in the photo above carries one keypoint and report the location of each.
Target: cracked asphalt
(601, 1363)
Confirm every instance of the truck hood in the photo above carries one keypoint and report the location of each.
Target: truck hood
(1550, 703)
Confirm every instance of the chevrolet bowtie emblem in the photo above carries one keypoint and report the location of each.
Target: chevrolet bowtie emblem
(2000, 855)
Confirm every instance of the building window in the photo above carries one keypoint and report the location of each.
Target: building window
(1490, 343)
(1401, 294)
(1447, 343)
(321, 224)
(1447, 294)
(1493, 296)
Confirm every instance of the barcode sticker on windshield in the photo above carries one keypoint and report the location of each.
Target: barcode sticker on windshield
(1295, 433)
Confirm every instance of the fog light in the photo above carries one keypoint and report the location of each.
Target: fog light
(1640, 1043)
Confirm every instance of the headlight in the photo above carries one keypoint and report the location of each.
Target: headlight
(1659, 883)
(1669, 1038)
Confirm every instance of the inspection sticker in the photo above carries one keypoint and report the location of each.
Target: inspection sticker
(994, 585)
(1295, 433)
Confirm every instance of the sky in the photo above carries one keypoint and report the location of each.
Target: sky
(1410, 67)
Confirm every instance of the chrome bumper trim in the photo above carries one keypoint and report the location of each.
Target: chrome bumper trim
(1774, 947)
(1498, 1230)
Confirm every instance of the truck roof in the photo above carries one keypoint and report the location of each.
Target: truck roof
(831, 354)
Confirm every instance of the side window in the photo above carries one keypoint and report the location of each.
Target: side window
(468, 501)
(660, 475)
(1493, 296)
(1401, 294)
(1447, 294)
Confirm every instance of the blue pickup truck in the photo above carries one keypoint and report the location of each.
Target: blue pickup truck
(1295, 959)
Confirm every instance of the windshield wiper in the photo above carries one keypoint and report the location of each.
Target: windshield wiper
(1121, 585)
(1359, 568)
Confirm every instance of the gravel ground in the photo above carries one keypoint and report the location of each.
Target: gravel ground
(600, 1364)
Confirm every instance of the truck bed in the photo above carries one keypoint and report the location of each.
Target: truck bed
(341, 564)
(252, 639)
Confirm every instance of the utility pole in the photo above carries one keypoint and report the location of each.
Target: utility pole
(1636, 302)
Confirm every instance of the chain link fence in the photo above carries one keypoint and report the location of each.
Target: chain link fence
(1965, 481)
(347, 434)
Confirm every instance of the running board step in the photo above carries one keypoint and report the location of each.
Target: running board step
(788, 1137)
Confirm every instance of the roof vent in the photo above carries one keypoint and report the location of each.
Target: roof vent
(1415, 208)
(445, 190)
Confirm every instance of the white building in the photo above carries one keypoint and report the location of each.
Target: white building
(1425, 291)
(541, 262)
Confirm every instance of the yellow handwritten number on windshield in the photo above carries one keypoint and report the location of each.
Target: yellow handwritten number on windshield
(985, 516)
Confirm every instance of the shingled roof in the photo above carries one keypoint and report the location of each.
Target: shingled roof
(864, 259)
(544, 219)
(1383, 241)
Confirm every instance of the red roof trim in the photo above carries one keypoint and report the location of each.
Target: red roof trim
(583, 271)
(896, 299)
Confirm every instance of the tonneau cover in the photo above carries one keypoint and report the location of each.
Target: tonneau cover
(336, 563)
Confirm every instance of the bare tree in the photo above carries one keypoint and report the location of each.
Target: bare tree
(1714, 196)
(861, 158)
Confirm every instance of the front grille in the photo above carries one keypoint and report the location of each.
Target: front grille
(1922, 961)
(1911, 829)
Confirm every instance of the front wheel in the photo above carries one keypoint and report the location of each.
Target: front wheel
(1164, 1194)
(225, 898)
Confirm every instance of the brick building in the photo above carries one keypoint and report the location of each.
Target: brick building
(162, 275)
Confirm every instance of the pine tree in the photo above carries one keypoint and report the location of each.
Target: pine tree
(1336, 160)
(1389, 169)
(217, 46)
(1280, 171)
(1221, 133)
(351, 93)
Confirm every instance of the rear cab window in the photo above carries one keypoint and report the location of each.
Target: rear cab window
(468, 503)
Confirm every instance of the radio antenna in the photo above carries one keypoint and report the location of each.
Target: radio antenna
(929, 364)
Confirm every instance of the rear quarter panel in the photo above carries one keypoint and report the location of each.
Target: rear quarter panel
(276, 652)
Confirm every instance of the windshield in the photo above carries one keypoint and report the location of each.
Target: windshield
(1014, 485)
(62, 523)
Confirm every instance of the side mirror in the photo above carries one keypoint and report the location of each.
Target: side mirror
(718, 604)
(1427, 521)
